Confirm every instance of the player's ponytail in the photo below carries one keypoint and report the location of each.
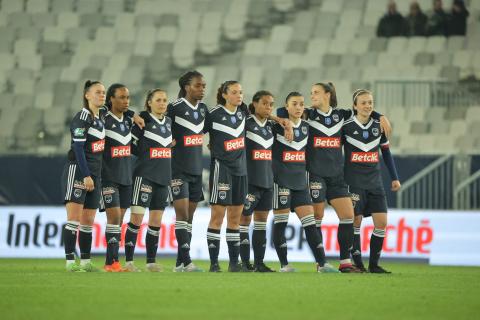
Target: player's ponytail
(111, 93)
(223, 89)
(256, 97)
(185, 80)
(86, 87)
(329, 88)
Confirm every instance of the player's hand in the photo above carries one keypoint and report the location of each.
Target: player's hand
(174, 142)
(288, 128)
(88, 182)
(385, 126)
(139, 121)
(396, 185)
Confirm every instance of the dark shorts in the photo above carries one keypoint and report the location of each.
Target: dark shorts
(225, 188)
(116, 195)
(258, 199)
(284, 198)
(150, 195)
(188, 186)
(74, 190)
(327, 188)
(368, 201)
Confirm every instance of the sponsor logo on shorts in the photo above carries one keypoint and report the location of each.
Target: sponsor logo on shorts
(98, 146)
(120, 151)
(192, 141)
(78, 184)
(108, 190)
(176, 190)
(251, 197)
(223, 187)
(146, 188)
(77, 193)
(176, 182)
(355, 197)
(160, 153)
(235, 144)
(262, 155)
(315, 186)
(222, 195)
(144, 197)
(293, 156)
(283, 200)
(283, 192)
(364, 157)
(108, 198)
(326, 142)
(315, 193)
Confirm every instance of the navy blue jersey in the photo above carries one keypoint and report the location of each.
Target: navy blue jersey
(259, 152)
(187, 130)
(227, 138)
(324, 151)
(91, 131)
(361, 146)
(152, 147)
(117, 163)
(289, 161)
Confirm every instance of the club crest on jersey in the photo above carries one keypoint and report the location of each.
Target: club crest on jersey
(239, 115)
(169, 127)
(365, 134)
(77, 193)
(297, 133)
(269, 129)
(304, 130)
(375, 132)
(335, 118)
(122, 127)
(202, 112)
(233, 119)
(328, 121)
(195, 115)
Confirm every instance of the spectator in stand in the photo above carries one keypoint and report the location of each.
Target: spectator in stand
(416, 20)
(457, 22)
(392, 23)
(437, 24)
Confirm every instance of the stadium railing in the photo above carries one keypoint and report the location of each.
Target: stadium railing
(466, 193)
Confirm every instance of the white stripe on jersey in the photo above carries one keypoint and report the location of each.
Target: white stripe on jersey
(197, 128)
(84, 114)
(97, 133)
(233, 132)
(361, 125)
(361, 145)
(266, 143)
(155, 137)
(328, 131)
(295, 145)
(189, 104)
(118, 137)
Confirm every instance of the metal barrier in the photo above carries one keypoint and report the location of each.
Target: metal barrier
(425, 93)
(429, 188)
(466, 195)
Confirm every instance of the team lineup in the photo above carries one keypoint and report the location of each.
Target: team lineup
(293, 161)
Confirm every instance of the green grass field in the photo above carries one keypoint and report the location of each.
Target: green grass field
(41, 289)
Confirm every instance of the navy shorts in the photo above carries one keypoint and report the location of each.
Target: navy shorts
(258, 199)
(368, 201)
(225, 188)
(284, 198)
(149, 194)
(74, 190)
(188, 186)
(327, 188)
(116, 195)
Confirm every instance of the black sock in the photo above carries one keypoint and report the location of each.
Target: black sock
(85, 241)
(70, 239)
(357, 249)
(244, 244)
(111, 232)
(313, 238)
(233, 243)
(130, 241)
(345, 239)
(279, 240)
(259, 241)
(151, 243)
(118, 236)
(213, 241)
(376, 244)
(183, 253)
(318, 224)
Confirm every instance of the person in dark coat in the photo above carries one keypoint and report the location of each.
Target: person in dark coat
(416, 20)
(457, 23)
(392, 23)
(437, 24)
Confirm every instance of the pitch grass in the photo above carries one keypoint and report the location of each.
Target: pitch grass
(41, 289)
